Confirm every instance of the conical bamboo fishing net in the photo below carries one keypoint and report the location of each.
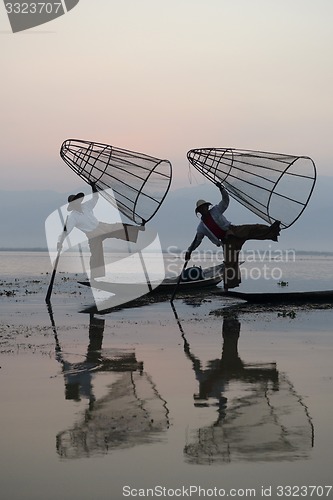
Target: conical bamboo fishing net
(132, 414)
(273, 186)
(139, 182)
(270, 423)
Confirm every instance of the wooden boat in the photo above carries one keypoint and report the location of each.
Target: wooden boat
(283, 297)
(211, 277)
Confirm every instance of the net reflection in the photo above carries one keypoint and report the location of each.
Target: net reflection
(131, 413)
(260, 416)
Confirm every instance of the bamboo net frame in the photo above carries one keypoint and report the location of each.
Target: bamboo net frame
(139, 182)
(274, 186)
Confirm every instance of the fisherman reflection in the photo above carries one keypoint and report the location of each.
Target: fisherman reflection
(260, 416)
(132, 412)
(213, 380)
(82, 217)
(78, 376)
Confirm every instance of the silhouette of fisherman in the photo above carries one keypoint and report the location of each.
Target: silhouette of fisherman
(82, 217)
(220, 231)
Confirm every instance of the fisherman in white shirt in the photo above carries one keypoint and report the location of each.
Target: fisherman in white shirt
(82, 217)
(221, 232)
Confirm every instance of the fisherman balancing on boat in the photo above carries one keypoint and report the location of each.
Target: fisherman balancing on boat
(82, 216)
(221, 232)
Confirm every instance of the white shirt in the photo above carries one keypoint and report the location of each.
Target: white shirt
(217, 214)
(85, 220)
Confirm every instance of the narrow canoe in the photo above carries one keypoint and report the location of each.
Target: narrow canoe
(212, 276)
(283, 297)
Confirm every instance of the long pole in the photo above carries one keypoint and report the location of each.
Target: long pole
(181, 274)
(49, 290)
(178, 281)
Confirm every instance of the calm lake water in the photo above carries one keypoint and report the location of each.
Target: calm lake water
(260, 272)
(206, 400)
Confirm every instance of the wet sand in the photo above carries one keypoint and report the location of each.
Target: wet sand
(214, 393)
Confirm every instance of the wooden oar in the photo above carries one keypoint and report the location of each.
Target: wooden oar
(49, 290)
(178, 281)
(181, 274)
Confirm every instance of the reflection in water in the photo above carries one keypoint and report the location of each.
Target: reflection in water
(260, 417)
(132, 413)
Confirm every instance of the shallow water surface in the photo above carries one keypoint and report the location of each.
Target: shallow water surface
(128, 403)
(152, 401)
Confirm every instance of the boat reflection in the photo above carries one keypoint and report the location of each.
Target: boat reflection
(260, 416)
(131, 413)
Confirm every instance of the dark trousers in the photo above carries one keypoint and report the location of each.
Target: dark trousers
(233, 243)
(104, 231)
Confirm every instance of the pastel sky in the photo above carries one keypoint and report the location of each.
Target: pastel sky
(163, 77)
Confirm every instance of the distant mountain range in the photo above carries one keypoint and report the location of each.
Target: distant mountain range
(23, 214)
